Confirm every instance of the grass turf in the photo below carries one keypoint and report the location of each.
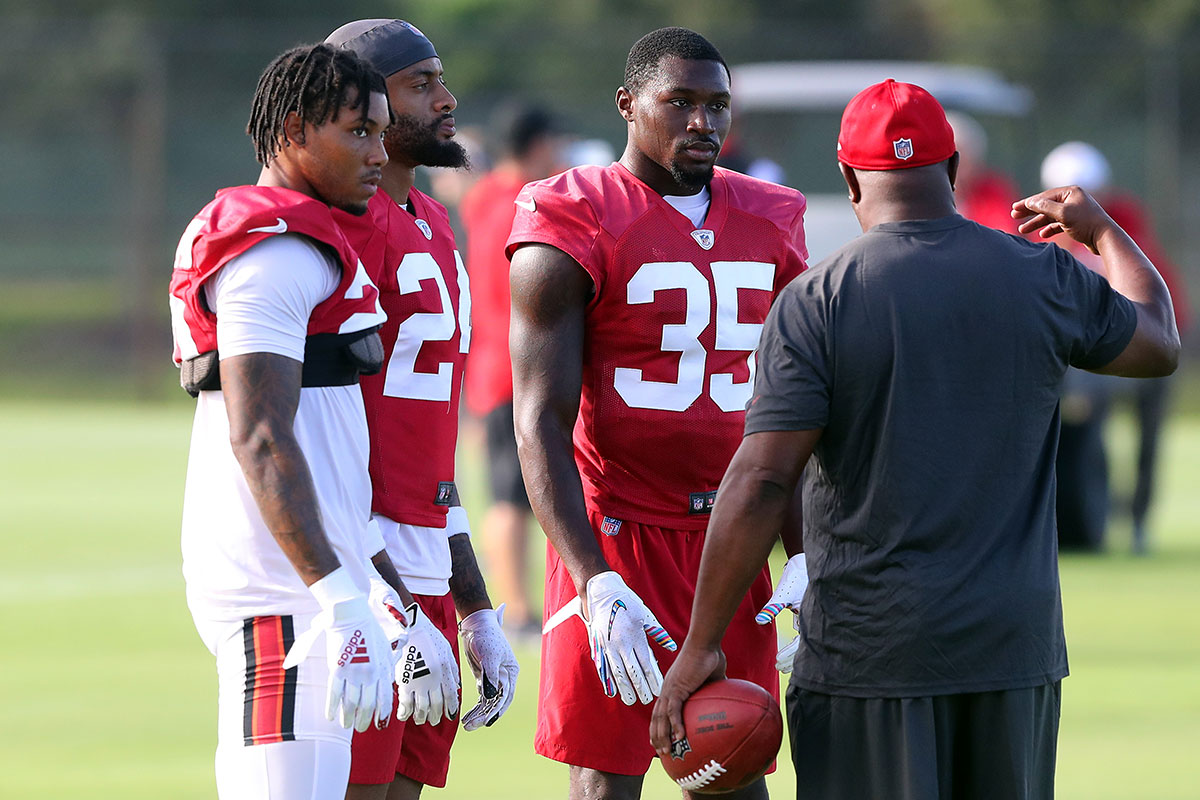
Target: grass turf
(108, 693)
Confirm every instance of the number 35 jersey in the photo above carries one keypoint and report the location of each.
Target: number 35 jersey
(412, 404)
(671, 328)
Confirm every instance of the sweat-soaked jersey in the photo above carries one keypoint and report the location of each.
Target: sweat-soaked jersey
(671, 328)
(412, 404)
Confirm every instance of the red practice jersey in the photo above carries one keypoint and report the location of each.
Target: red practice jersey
(236, 220)
(412, 404)
(671, 329)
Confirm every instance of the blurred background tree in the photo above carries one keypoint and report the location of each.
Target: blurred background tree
(121, 119)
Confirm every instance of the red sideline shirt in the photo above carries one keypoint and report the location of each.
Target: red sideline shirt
(487, 214)
(671, 329)
(412, 404)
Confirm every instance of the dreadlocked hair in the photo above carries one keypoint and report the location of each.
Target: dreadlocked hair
(649, 51)
(315, 81)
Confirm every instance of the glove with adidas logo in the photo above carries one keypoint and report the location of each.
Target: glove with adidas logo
(426, 672)
(360, 657)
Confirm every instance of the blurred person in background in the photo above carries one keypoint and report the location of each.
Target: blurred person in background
(736, 157)
(1083, 469)
(274, 320)
(532, 150)
(638, 293)
(981, 193)
(918, 368)
(407, 247)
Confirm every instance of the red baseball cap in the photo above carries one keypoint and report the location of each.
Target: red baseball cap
(894, 126)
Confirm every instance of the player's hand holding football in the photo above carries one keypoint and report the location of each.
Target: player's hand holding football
(493, 663)
(359, 655)
(426, 672)
(692, 669)
(788, 594)
(1067, 209)
(618, 624)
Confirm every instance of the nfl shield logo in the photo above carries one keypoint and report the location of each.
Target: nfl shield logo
(610, 526)
(680, 748)
(704, 238)
(903, 148)
(425, 229)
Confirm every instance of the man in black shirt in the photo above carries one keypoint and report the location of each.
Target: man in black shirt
(919, 366)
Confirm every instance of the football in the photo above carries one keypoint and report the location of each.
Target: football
(734, 729)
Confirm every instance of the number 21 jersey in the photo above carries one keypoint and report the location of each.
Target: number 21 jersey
(671, 327)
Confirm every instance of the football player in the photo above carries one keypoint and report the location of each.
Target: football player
(274, 320)
(408, 247)
(638, 293)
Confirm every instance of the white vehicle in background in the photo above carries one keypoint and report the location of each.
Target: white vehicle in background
(789, 112)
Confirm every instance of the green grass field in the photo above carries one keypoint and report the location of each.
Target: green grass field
(108, 693)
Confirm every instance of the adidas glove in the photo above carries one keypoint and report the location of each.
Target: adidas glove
(426, 672)
(388, 609)
(358, 653)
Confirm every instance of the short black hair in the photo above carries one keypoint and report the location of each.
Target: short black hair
(313, 80)
(648, 51)
(525, 127)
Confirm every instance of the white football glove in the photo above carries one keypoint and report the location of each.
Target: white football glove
(426, 672)
(388, 609)
(494, 664)
(618, 623)
(788, 594)
(359, 655)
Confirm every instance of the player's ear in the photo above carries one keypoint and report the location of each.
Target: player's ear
(952, 168)
(625, 103)
(851, 179)
(293, 129)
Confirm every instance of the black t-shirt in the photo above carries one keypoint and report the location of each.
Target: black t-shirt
(931, 353)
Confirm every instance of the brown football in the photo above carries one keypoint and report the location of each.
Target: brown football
(734, 730)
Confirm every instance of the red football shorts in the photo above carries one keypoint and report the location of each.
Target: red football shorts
(419, 752)
(577, 723)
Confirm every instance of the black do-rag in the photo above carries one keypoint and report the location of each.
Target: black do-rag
(389, 45)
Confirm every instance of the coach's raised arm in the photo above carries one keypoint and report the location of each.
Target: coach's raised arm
(1154, 349)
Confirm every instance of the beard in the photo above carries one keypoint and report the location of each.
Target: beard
(692, 178)
(419, 142)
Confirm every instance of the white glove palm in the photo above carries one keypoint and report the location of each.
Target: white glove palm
(426, 672)
(494, 664)
(618, 623)
(359, 657)
(788, 594)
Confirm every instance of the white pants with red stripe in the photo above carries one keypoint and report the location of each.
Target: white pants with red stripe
(273, 740)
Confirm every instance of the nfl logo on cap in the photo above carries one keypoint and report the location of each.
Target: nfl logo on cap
(903, 148)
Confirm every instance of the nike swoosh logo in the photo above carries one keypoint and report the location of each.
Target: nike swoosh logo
(529, 205)
(279, 227)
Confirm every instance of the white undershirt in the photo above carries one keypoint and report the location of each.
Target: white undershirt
(692, 206)
(234, 568)
(264, 297)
